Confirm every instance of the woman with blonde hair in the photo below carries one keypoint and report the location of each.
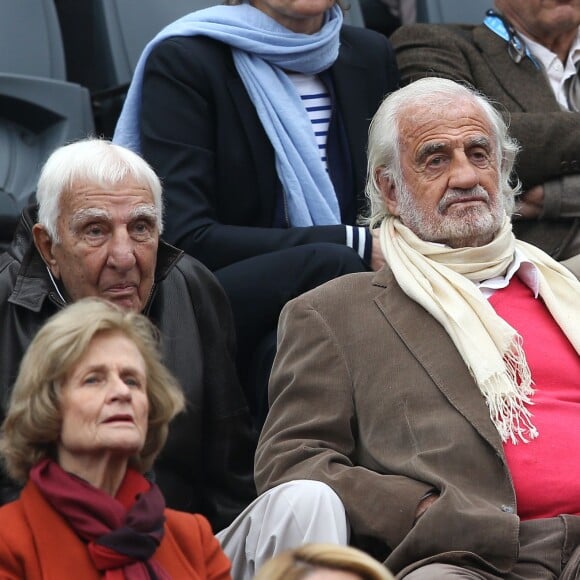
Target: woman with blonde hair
(323, 562)
(88, 415)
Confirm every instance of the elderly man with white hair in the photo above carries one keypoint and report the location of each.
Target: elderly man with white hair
(440, 396)
(525, 57)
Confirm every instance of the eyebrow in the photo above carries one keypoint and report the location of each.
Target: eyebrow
(432, 148)
(479, 141)
(103, 368)
(82, 216)
(85, 215)
(144, 212)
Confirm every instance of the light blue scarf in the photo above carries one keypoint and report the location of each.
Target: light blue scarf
(262, 49)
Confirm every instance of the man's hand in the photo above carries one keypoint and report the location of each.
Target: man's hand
(530, 204)
(377, 256)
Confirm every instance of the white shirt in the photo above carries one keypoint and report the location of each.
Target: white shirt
(526, 271)
(557, 72)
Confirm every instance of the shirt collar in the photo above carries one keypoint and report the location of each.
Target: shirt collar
(526, 271)
(557, 72)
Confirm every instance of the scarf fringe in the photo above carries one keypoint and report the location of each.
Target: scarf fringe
(435, 277)
(507, 395)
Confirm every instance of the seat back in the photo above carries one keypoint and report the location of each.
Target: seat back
(104, 38)
(39, 110)
(452, 11)
(36, 116)
(354, 15)
(30, 39)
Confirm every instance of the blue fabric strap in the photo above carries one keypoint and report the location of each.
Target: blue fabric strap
(262, 50)
(515, 43)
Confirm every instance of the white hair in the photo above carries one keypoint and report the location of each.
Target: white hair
(417, 98)
(96, 162)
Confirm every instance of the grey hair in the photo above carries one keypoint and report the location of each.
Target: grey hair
(415, 99)
(91, 161)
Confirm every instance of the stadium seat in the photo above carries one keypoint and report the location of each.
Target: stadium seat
(452, 11)
(103, 40)
(30, 39)
(39, 110)
(354, 15)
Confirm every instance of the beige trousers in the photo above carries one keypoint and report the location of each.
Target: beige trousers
(287, 516)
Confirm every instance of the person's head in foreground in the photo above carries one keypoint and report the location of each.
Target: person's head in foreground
(440, 160)
(99, 221)
(323, 562)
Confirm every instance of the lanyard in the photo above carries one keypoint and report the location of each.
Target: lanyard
(517, 48)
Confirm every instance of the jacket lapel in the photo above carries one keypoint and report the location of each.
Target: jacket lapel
(261, 150)
(58, 549)
(513, 77)
(431, 346)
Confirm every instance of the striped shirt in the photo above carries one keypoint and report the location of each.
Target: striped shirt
(318, 105)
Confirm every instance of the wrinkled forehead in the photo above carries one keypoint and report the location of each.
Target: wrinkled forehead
(444, 120)
(126, 196)
(442, 112)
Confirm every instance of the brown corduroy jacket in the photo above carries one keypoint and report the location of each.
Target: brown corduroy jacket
(369, 395)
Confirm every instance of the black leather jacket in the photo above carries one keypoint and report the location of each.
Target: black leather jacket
(207, 464)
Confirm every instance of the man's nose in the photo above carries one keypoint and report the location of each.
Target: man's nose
(463, 174)
(121, 251)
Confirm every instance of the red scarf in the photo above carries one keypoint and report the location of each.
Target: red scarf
(122, 532)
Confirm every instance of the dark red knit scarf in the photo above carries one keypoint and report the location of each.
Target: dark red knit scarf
(122, 532)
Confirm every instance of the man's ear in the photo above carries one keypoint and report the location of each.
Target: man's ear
(387, 186)
(44, 245)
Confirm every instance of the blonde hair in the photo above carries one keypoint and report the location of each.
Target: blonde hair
(33, 422)
(299, 563)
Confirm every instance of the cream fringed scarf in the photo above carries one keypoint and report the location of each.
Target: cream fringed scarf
(441, 279)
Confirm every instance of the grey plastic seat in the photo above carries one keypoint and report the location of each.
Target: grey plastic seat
(452, 11)
(104, 38)
(30, 40)
(39, 110)
(354, 15)
(36, 116)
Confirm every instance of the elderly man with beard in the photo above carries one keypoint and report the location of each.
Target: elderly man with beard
(525, 57)
(440, 396)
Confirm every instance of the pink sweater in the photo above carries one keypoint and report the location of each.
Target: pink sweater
(546, 471)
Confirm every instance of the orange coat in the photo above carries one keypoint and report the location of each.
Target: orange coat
(36, 543)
